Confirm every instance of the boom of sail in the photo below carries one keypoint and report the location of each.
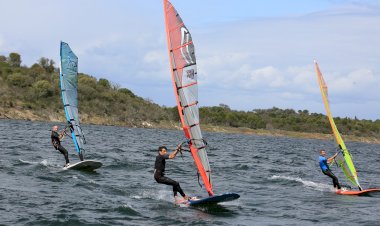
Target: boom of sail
(184, 76)
(347, 164)
(69, 88)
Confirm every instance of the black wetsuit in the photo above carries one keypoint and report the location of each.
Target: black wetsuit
(333, 177)
(326, 171)
(57, 145)
(159, 170)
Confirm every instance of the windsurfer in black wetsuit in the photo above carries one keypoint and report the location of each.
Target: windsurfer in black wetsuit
(56, 141)
(159, 170)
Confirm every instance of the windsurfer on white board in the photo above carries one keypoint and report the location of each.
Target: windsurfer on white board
(56, 141)
(323, 163)
(159, 170)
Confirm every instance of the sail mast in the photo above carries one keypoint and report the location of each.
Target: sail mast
(184, 76)
(351, 172)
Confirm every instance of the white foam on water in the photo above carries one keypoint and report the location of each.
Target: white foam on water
(128, 206)
(157, 195)
(44, 162)
(47, 162)
(306, 183)
(183, 205)
(136, 197)
(28, 162)
(92, 182)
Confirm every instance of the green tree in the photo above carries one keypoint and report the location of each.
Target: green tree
(126, 92)
(86, 80)
(225, 106)
(14, 59)
(42, 88)
(36, 70)
(47, 64)
(104, 83)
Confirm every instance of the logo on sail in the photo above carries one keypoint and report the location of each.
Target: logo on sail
(190, 73)
(188, 50)
(72, 63)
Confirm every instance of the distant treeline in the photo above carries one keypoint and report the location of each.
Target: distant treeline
(288, 120)
(37, 90)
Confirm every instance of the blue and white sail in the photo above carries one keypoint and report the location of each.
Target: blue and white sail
(69, 87)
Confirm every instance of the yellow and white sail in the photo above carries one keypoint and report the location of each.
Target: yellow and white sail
(347, 164)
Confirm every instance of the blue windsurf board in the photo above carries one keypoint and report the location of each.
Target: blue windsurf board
(211, 200)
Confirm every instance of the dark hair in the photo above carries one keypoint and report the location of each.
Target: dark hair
(161, 147)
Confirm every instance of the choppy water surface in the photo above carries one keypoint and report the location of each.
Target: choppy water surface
(278, 179)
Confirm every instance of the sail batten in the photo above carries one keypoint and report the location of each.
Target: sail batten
(350, 173)
(184, 76)
(69, 88)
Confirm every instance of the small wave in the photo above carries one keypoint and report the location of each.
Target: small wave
(27, 162)
(126, 165)
(160, 195)
(44, 162)
(136, 197)
(127, 209)
(306, 183)
(241, 167)
(92, 182)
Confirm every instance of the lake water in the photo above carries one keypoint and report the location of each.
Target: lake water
(278, 178)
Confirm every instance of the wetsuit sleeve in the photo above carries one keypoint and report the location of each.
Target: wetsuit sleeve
(166, 156)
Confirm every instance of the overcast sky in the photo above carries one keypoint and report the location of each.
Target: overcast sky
(250, 53)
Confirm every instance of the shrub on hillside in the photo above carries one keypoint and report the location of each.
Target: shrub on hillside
(20, 80)
(42, 88)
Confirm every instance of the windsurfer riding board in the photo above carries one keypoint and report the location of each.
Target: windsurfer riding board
(324, 164)
(159, 170)
(56, 139)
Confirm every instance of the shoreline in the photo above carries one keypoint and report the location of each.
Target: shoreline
(291, 134)
(90, 120)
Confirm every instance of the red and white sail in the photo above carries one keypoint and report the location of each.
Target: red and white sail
(184, 75)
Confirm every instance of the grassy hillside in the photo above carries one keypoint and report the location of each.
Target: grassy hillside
(33, 93)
